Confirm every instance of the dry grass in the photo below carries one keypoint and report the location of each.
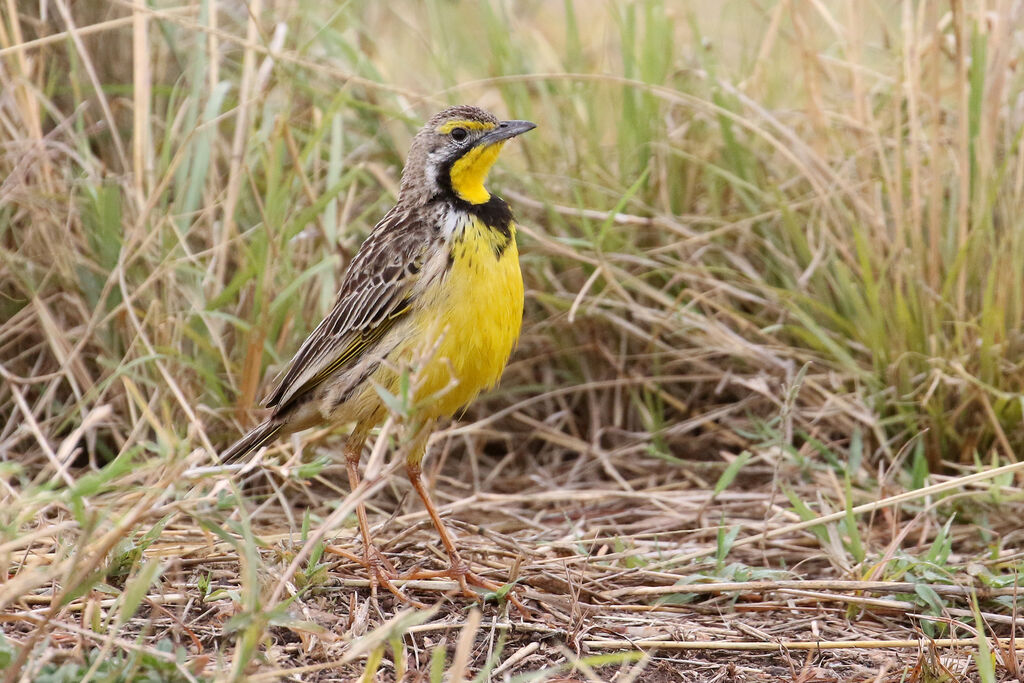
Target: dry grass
(763, 421)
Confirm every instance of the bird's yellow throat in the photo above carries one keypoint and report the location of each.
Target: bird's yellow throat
(470, 171)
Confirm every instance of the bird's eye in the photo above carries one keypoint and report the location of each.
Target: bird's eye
(459, 134)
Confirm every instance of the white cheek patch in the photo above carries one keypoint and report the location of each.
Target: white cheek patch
(430, 172)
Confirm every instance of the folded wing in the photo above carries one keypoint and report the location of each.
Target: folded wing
(377, 292)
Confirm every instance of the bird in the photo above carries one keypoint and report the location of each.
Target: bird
(435, 293)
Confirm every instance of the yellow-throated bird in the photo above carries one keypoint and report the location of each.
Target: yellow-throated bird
(436, 284)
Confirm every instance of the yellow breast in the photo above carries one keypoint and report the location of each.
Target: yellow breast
(472, 321)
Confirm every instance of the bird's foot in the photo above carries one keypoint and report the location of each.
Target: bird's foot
(381, 571)
(460, 572)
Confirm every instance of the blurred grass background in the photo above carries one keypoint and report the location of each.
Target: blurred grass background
(746, 225)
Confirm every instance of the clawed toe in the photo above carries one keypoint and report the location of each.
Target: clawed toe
(381, 572)
(382, 576)
(461, 573)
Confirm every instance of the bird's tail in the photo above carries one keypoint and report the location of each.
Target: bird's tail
(253, 440)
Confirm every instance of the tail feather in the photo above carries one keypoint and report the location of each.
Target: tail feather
(252, 441)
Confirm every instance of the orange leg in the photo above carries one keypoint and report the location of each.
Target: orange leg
(380, 569)
(459, 569)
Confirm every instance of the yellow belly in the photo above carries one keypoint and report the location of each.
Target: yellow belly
(469, 327)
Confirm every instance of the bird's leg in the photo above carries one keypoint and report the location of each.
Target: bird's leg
(459, 569)
(380, 569)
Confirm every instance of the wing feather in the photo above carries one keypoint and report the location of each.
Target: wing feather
(376, 292)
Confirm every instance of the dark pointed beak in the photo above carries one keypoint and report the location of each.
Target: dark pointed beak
(506, 130)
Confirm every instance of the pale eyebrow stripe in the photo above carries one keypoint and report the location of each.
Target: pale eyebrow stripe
(449, 126)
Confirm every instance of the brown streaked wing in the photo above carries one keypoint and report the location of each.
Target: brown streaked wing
(374, 295)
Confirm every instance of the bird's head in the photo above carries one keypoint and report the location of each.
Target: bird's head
(453, 152)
